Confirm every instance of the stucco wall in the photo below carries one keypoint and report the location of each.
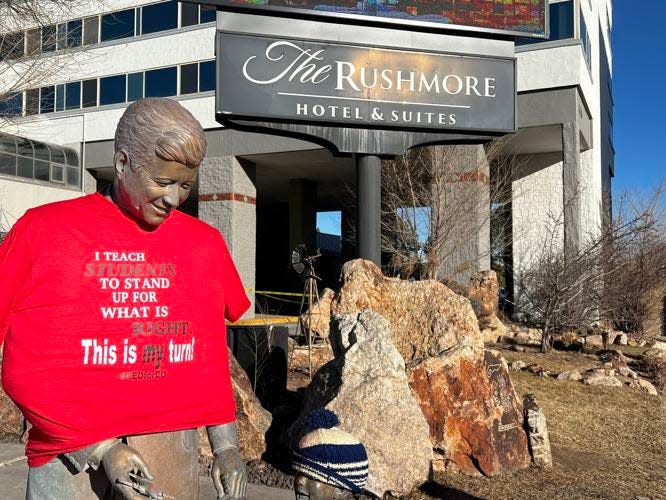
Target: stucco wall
(537, 205)
(16, 197)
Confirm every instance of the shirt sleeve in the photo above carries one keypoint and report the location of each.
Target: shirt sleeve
(15, 259)
(235, 298)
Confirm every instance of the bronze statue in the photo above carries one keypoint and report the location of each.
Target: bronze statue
(153, 176)
(310, 489)
(331, 464)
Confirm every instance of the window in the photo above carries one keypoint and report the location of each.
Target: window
(208, 13)
(189, 14)
(48, 38)
(73, 95)
(585, 39)
(562, 20)
(561, 23)
(11, 104)
(189, 79)
(60, 98)
(118, 25)
(159, 17)
(134, 87)
(137, 22)
(41, 151)
(74, 32)
(73, 176)
(12, 45)
(72, 158)
(89, 91)
(161, 82)
(7, 164)
(112, 89)
(25, 167)
(41, 170)
(90, 30)
(21, 157)
(57, 155)
(24, 147)
(207, 76)
(57, 174)
(47, 99)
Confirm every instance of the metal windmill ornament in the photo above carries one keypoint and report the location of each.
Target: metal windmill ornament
(303, 264)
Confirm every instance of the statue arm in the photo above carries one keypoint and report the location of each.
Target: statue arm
(91, 456)
(229, 474)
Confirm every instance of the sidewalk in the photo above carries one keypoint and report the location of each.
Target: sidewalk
(14, 471)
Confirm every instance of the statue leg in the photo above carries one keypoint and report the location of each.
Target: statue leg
(58, 480)
(173, 458)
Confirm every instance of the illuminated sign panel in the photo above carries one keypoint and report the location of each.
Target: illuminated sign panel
(516, 17)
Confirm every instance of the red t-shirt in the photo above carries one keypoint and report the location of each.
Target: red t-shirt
(111, 329)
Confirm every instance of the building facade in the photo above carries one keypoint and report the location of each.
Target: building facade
(263, 192)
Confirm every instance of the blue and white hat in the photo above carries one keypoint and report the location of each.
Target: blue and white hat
(330, 455)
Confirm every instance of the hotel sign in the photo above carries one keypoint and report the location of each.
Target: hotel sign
(296, 81)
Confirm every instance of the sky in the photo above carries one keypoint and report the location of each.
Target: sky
(639, 91)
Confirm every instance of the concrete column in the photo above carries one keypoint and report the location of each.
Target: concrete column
(302, 213)
(369, 206)
(463, 203)
(572, 188)
(227, 201)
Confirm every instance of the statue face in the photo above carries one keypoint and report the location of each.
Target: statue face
(309, 489)
(151, 192)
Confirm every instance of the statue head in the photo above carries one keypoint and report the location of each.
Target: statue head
(331, 464)
(158, 146)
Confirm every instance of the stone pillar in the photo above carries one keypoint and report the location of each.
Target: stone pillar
(302, 213)
(462, 199)
(227, 201)
(572, 187)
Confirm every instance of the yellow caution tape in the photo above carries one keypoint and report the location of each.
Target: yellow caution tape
(279, 320)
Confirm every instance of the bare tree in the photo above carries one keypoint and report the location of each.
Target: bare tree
(641, 279)
(28, 28)
(425, 219)
(564, 290)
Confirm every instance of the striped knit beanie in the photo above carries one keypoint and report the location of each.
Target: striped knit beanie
(330, 455)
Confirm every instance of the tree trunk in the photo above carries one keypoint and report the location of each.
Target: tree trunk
(545, 339)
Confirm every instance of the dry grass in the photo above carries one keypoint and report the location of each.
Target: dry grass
(555, 361)
(607, 443)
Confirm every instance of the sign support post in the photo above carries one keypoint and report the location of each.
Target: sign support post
(368, 203)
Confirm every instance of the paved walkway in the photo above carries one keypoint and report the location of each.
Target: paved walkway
(14, 471)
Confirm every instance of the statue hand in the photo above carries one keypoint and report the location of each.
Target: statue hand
(127, 472)
(229, 475)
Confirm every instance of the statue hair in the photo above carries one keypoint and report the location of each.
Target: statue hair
(162, 127)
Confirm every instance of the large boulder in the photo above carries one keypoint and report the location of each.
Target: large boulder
(366, 386)
(483, 293)
(427, 317)
(252, 419)
(474, 415)
(11, 418)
